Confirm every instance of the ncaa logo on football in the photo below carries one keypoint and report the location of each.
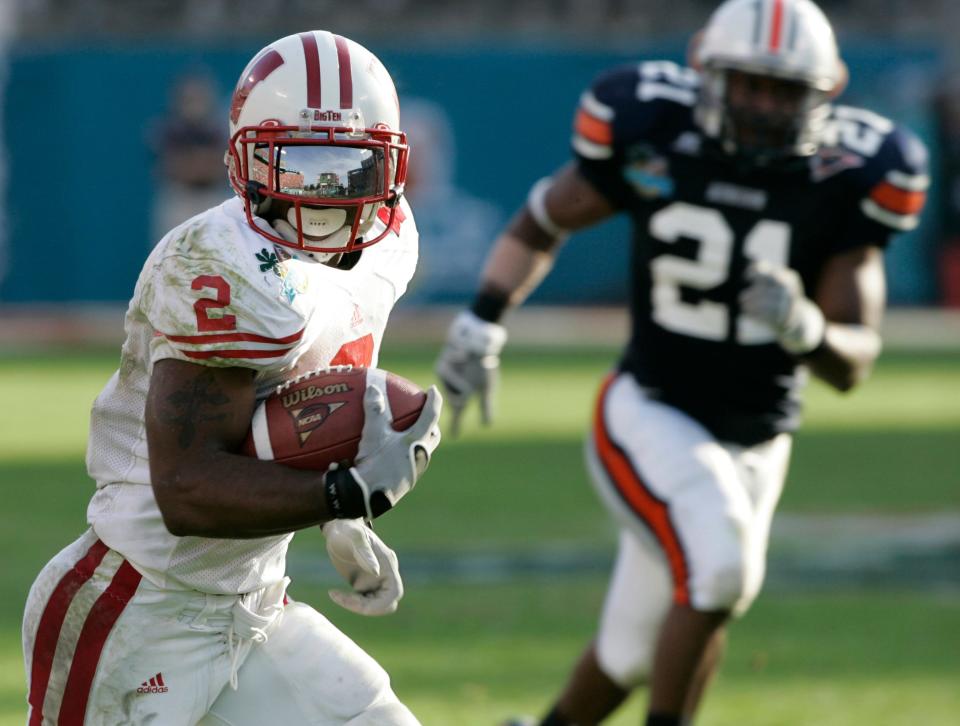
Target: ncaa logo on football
(308, 417)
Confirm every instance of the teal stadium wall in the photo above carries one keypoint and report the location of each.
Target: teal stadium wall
(80, 179)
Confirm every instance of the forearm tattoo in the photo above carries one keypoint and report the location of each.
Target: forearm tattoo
(195, 403)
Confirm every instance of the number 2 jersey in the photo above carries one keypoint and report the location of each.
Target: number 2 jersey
(700, 218)
(214, 292)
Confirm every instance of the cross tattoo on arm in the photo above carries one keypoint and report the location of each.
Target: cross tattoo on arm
(195, 403)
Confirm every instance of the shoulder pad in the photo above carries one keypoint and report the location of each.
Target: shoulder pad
(892, 182)
(632, 102)
(395, 257)
(222, 305)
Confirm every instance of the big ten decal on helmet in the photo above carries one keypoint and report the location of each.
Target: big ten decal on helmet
(315, 144)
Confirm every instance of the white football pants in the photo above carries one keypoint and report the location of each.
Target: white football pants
(694, 513)
(103, 646)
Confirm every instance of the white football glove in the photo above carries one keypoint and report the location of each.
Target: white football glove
(470, 363)
(775, 297)
(365, 562)
(388, 462)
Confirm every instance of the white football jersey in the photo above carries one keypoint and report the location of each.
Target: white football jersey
(214, 292)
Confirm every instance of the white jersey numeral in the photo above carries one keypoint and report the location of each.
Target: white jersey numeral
(768, 241)
(705, 319)
(857, 129)
(665, 80)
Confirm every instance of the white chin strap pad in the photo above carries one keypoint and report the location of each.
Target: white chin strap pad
(329, 223)
(332, 220)
(339, 239)
(318, 222)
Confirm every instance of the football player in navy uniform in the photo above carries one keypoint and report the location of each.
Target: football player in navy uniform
(760, 213)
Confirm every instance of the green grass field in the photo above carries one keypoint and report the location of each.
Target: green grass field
(465, 654)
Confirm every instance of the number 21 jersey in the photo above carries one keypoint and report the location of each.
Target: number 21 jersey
(700, 218)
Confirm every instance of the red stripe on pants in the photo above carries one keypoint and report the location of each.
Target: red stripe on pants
(651, 510)
(48, 630)
(103, 615)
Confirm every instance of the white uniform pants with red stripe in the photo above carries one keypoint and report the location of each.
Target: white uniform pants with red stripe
(103, 646)
(695, 515)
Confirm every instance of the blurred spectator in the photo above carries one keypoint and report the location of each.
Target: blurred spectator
(189, 144)
(947, 195)
(455, 226)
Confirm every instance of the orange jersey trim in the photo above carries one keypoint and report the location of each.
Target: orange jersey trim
(897, 200)
(593, 129)
(653, 511)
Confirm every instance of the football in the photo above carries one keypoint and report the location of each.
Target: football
(316, 419)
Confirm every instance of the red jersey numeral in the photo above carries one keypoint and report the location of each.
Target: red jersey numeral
(357, 353)
(203, 306)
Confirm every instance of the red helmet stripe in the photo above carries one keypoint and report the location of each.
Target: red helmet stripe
(311, 55)
(776, 25)
(346, 75)
(262, 67)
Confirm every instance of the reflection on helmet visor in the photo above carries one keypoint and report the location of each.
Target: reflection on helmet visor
(321, 172)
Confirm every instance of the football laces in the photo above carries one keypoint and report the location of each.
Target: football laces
(303, 376)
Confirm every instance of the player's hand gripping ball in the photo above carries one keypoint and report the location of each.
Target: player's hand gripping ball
(372, 431)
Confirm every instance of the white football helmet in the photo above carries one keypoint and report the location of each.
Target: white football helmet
(315, 143)
(791, 40)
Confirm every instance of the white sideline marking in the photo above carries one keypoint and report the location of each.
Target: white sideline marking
(807, 551)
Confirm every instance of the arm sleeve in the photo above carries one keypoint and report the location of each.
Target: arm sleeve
(623, 118)
(888, 193)
(597, 139)
(206, 311)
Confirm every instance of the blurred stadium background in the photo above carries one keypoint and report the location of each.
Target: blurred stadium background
(504, 548)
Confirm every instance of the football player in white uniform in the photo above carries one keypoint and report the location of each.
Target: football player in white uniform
(760, 212)
(171, 608)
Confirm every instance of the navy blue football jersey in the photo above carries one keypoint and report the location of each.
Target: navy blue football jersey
(700, 218)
